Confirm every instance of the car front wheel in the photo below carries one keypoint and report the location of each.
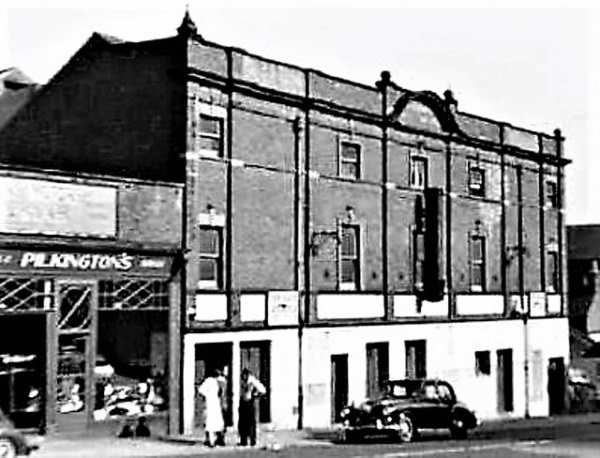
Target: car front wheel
(458, 429)
(7, 448)
(406, 429)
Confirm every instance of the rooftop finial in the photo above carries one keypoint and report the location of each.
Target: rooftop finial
(188, 26)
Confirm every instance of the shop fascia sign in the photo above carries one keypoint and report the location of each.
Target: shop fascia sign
(93, 262)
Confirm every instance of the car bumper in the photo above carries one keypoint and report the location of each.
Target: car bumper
(371, 427)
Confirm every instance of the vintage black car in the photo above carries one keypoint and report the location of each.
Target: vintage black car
(406, 408)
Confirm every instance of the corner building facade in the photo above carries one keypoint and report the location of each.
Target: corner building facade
(335, 234)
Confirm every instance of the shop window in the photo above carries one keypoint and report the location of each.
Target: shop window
(350, 258)
(477, 263)
(418, 172)
(133, 294)
(482, 363)
(211, 257)
(552, 272)
(211, 134)
(350, 160)
(476, 181)
(551, 194)
(25, 294)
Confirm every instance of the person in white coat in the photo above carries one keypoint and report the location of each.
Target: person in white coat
(209, 390)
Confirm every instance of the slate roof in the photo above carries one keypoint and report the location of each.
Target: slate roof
(16, 89)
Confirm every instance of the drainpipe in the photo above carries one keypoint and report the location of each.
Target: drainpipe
(522, 287)
(383, 85)
(297, 128)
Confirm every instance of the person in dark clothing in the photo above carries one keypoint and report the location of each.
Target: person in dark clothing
(142, 430)
(250, 389)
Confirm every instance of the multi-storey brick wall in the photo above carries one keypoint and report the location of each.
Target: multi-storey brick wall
(99, 114)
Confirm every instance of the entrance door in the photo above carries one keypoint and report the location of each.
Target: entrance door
(378, 363)
(76, 354)
(505, 380)
(556, 385)
(210, 357)
(339, 385)
(256, 356)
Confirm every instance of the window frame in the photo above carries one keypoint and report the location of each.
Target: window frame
(417, 234)
(416, 159)
(477, 263)
(356, 259)
(552, 278)
(473, 191)
(210, 135)
(343, 160)
(485, 368)
(217, 283)
(551, 198)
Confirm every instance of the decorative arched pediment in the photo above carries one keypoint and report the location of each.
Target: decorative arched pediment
(424, 110)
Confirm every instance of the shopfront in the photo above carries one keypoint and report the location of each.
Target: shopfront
(85, 336)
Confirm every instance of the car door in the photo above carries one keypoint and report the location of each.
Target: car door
(446, 402)
(429, 411)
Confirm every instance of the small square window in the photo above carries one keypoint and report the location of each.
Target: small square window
(477, 181)
(350, 160)
(551, 194)
(418, 172)
(210, 130)
(482, 363)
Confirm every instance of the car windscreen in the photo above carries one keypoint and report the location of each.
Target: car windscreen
(401, 390)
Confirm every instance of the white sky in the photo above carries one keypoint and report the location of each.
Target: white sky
(534, 64)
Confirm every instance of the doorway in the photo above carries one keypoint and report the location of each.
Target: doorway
(505, 393)
(76, 354)
(339, 386)
(256, 356)
(556, 385)
(210, 357)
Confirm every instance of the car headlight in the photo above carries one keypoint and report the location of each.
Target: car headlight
(345, 412)
(387, 411)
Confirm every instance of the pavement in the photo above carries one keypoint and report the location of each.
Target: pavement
(106, 446)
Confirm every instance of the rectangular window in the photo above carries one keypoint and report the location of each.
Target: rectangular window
(416, 359)
(210, 130)
(551, 194)
(552, 279)
(378, 368)
(350, 160)
(418, 259)
(482, 363)
(476, 181)
(477, 263)
(211, 257)
(418, 172)
(350, 258)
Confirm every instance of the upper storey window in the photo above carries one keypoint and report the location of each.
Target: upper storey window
(211, 134)
(476, 181)
(418, 172)
(551, 194)
(350, 160)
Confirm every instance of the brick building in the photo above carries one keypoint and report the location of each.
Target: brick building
(335, 234)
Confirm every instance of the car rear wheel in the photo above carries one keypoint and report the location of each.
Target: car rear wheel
(7, 448)
(406, 429)
(458, 429)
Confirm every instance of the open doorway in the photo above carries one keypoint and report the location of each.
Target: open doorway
(210, 357)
